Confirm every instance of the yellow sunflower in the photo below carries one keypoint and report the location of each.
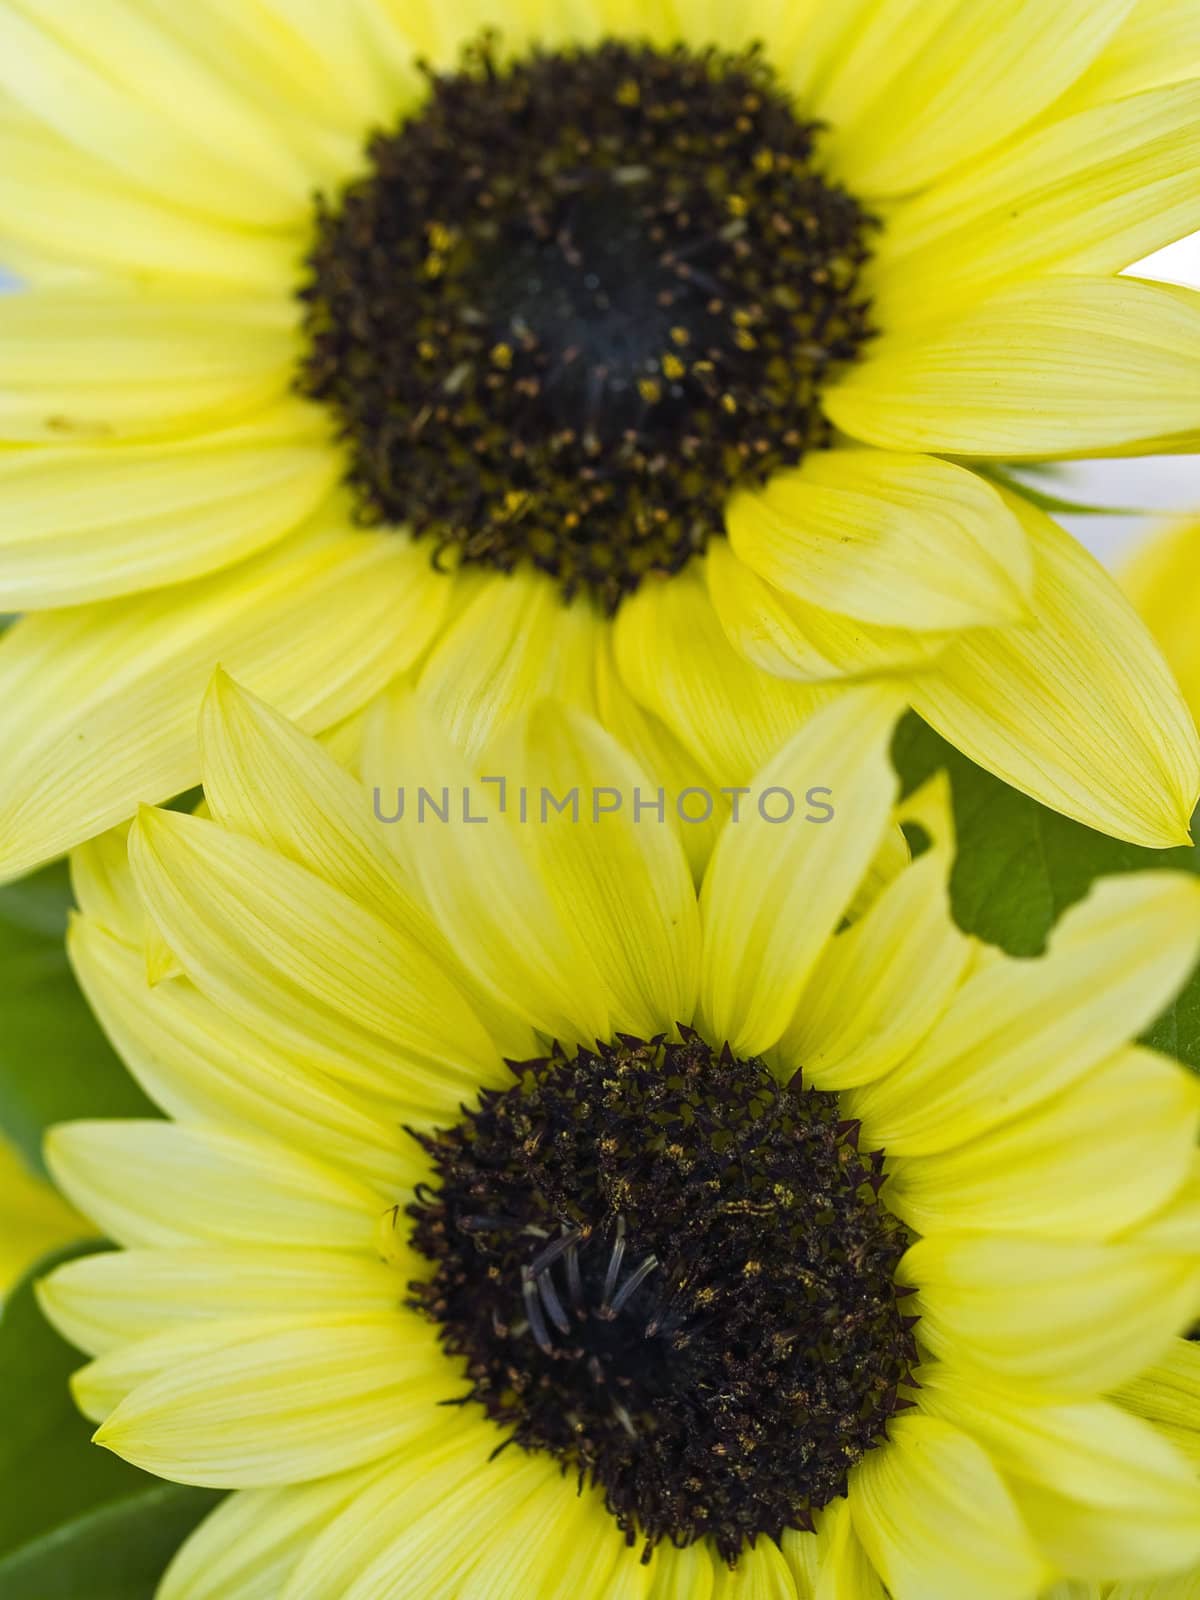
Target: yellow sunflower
(652, 354)
(529, 1226)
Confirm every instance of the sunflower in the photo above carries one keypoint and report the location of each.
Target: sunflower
(665, 357)
(528, 1225)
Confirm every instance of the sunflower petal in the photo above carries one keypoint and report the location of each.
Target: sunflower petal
(774, 893)
(896, 540)
(100, 1302)
(97, 364)
(86, 524)
(1078, 708)
(129, 95)
(59, 203)
(285, 1406)
(1085, 194)
(931, 84)
(1019, 1031)
(201, 1064)
(936, 1519)
(1088, 1164)
(449, 1477)
(1102, 1492)
(761, 1573)
(675, 660)
(98, 706)
(1054, 1319)
(880, 985)
(512, 644)
(1158, 43)
(1058, 367)
(245, 1549)
(158, 1184)
(789, 638)
(831, 1563)
(290, 955)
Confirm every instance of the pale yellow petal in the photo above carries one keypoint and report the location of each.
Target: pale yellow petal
(902, 541)
(99, 1387)
(159, 1183)
(1052, 1318)
(85, 524)
(245, 1549)
(1060, 366)
(554, 892)
(285, 1406)
(202, 1064)
(447, 1480)
(624, 880)
(881, 984)
(98, 705)
(935, 1517)
(265, 778)
(100, 1302)
(687, 1574)
(1021, 1030)
(789, 638)
(512, 643)
(1168, 1392)
(831, 1563)
(699, 809)
(478, 878)
(293, 957)
(1088, 193)
(34, 1218)
(104, 889)
(59, 202)
(322, 74)
(98, 364)
(1087, 1164)
(675, 660)
(930, 84)
(1159, 43)
(1162, 578)
(555, 1530)
(1103, 1494)
(761, 1573)
(1078, 708)
(776, 889)
(128, 94)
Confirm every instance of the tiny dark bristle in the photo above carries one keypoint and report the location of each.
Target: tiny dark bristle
(695, 1307)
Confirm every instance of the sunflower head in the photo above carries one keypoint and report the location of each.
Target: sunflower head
(812, 1242)
(576, 299)
(668, 1222)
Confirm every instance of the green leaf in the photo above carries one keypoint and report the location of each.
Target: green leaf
(1020, 865)
(55, 1063)
(117, 1552)
(75, 1520)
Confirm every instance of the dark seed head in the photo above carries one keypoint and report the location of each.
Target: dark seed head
(672, 1272)
(576, 299)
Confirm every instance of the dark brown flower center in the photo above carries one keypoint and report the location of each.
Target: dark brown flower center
(674, 1273)
(575, 299)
